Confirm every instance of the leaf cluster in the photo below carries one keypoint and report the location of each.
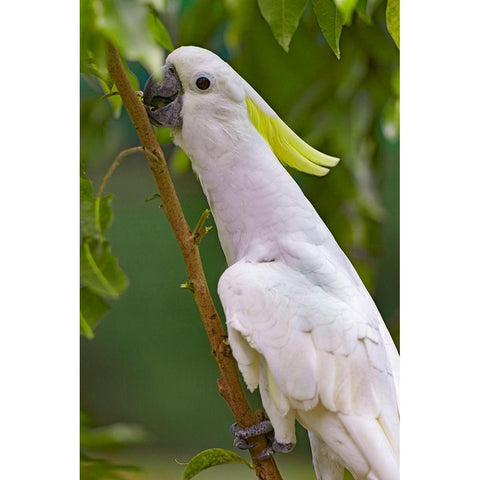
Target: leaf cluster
(100, 276)
(283, 16)
(137, 31)
(134, 27)
(94, 438)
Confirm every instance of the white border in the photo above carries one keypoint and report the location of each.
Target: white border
(440, 239)
(39, 252)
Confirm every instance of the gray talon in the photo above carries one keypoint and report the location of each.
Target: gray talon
(242, 444)
(266, 453)
(233, 428)
(282, 447)
(275, 447)
(260, 428)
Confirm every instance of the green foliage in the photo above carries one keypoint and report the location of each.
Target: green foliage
(99, 269)
(92, 308)
(180, 162)
(95, 212)
(330, 22)
(100, 274)
(99, 469)
(366, 8)
(283, 16)
(393, 20)
(191, 30)
(346, 8)
(159, 32)
(112, 436)
(134, 28)
(211, 458)
(106, 438)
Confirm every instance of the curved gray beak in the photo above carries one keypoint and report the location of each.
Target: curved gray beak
(163, 100)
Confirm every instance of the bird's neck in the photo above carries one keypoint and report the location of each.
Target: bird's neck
(254, 200)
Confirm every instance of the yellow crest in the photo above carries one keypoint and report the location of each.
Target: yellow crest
(287, 146)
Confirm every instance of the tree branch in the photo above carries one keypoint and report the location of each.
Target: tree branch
(229, 383)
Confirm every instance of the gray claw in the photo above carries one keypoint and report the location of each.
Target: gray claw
(233, 428)
(266, 453)
(275, 447)
(260, 428)
(242, 444)
(282, 447)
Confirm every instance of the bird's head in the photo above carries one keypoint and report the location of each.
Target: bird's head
(192, 80)
(196, 81)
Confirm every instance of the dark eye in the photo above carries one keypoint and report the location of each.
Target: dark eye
(202, 83)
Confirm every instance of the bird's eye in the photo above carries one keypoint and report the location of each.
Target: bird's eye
(202, 83)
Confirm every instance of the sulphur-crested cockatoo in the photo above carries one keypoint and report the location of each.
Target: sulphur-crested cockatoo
(301, 324)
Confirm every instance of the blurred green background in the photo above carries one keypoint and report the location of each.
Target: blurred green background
(150, 363)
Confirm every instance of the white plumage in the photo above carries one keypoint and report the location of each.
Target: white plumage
(301, 324)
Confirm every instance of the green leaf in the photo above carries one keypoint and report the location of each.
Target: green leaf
(92, 46)
(346, 8)
(92, 309)
(361, 9)
(163, 135)
(390, 121)
(99, 269)
(95, 212)
(125, 23)
(365, 9)
(87, 32)
(393, 20)
(160, 32)
(99, 469)
(331, 23)
(158, 5)
(132, 78)
(180, 162)
(283, 17)
(115, 100)
(210, 458)
(86, 189)
(115, 435)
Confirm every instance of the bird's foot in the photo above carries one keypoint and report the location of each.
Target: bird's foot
(243, 434)
(262, 428)
(275, 447)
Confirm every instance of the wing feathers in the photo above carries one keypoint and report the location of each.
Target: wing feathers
(323, 360)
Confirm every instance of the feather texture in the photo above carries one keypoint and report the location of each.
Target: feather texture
(288, 147)
(301, 324)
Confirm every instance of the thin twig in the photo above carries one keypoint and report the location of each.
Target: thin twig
(104, 97)
(115, 164)
(229, 383)
(139, 94)
(200, 231)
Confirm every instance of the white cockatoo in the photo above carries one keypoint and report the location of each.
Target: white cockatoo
(301, 324)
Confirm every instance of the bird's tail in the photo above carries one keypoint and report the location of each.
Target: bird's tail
(326, 464)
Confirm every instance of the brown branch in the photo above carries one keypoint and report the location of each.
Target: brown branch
(229, 383)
